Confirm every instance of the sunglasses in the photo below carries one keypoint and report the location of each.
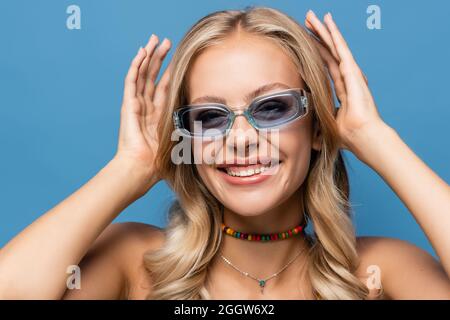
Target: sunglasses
(264, 112)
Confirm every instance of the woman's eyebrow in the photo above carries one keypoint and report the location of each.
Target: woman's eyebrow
(248, 98)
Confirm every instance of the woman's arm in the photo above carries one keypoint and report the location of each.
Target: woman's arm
(34, 263)
(364, 133)
(423, 192)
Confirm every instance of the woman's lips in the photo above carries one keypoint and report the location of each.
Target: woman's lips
(251, 179)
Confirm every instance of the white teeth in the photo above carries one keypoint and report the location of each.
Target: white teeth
(249, 172)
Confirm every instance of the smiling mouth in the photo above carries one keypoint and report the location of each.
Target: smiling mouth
(247, 171)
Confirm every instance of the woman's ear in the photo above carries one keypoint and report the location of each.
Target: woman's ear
(316, 136)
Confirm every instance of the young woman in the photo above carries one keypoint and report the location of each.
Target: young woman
(237, 228)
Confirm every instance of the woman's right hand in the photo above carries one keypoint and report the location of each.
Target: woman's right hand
(143, 101)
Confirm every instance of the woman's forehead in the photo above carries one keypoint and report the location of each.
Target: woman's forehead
(232, 70)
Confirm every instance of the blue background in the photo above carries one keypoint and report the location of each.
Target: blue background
(61, 93)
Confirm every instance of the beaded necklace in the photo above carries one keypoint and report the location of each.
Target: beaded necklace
(262, 237)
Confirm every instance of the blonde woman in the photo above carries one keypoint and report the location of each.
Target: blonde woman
(237, 230)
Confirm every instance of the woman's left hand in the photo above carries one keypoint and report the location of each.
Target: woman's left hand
(357, 112)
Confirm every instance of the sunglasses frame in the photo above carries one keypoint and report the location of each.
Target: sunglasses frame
(303, 96)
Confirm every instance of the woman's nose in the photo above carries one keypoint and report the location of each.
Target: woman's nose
(242, 137)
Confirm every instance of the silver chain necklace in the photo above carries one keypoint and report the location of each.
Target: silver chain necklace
(262, 282)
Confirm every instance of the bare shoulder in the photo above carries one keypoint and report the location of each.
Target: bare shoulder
(400, 269)
(136, 239)
(113, 267)
(138, 235)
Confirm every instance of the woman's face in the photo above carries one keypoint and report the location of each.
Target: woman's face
(232, 70)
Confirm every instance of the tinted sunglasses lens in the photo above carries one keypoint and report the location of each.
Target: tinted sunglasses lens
(209, 118)
(277, 110)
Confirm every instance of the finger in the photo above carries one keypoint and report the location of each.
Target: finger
(335, 72)
(313, 32)
(340, 43)
(323, 32)
(337, 38)
(131, 77)
(162, 87)
(349, 65)
(333, 67)
(311, 28)
(155, 66)
(149, 48)
(332, 64)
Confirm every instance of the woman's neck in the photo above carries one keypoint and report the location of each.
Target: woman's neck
(262, 259)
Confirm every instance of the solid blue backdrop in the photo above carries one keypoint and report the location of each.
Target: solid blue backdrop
(61, 93)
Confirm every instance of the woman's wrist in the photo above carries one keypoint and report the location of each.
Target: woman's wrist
(369, 143)
(137, 178)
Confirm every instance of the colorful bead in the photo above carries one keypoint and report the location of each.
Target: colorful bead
(262, 237)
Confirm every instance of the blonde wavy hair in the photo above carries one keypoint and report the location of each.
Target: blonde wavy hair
(179, 268)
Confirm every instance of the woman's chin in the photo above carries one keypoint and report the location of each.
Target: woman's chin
(248, 211)
(249, 206)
